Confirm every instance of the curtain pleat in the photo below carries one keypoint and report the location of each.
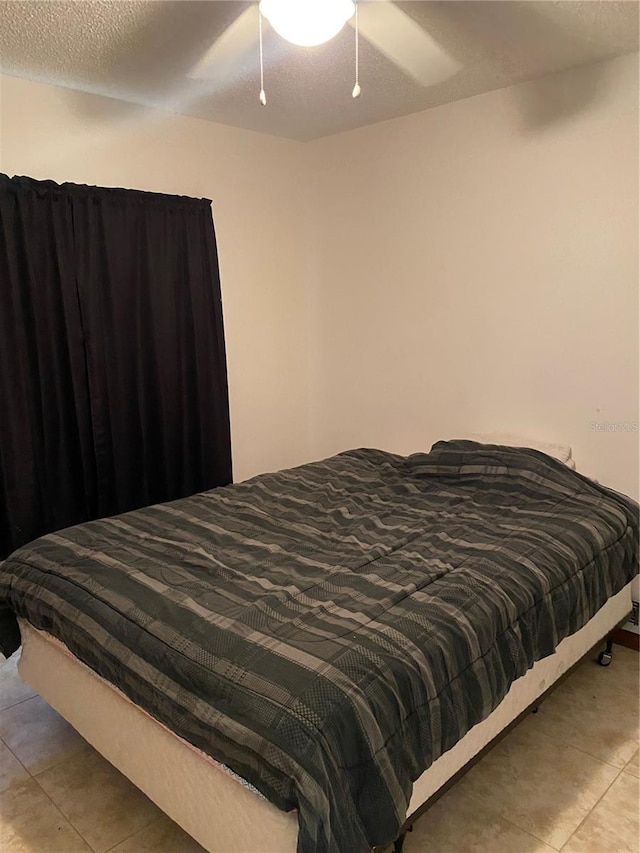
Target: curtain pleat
(113, 382)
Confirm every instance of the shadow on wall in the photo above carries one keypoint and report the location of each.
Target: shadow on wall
(558, 97)
(484, 34)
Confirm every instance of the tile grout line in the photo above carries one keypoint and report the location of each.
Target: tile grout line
(546, 736)
(66, 817)
(8, 748)
(34, 777)
(133, 834)
(585, 752)
(61, 813)
(14, 754)
(565, 743)
(19, 702)
(529, 833)
(588, 814)
(630, 774)
(66, 757)
(69, 819)
(48, 767)
(537, 837)
(51, 766)
(498, 814)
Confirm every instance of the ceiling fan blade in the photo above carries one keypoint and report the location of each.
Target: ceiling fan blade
(405, 43)
(231, 48)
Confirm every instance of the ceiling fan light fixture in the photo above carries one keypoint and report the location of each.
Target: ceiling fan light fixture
(307, 22)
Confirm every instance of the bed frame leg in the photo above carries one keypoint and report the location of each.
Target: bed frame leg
(605, 657)
(399, 843)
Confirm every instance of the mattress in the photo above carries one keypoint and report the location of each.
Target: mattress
(199, 794)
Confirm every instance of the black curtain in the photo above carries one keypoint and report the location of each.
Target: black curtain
(113, 384)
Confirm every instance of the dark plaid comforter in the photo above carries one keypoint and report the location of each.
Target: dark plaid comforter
(327, 632)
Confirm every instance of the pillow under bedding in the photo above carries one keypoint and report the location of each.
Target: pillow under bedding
(561, 452)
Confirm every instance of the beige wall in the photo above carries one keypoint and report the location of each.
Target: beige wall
(476, 269)
(468, 268)
(254, 181)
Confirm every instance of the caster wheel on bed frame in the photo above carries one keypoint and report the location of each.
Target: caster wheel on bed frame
(605, 657)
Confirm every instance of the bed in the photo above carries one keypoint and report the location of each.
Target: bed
(315, 653)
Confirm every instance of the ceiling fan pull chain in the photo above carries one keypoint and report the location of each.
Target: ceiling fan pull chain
(263, 97)
(356, 88)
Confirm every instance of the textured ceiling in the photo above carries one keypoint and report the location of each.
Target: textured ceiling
(144, 53)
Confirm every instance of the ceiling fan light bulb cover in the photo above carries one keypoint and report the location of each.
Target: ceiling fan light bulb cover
(307, 22)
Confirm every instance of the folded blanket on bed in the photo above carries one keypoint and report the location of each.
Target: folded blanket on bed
(328, 632)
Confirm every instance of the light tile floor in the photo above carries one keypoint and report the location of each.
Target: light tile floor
(566, 779)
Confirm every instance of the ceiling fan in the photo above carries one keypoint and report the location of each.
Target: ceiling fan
(307, 23)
